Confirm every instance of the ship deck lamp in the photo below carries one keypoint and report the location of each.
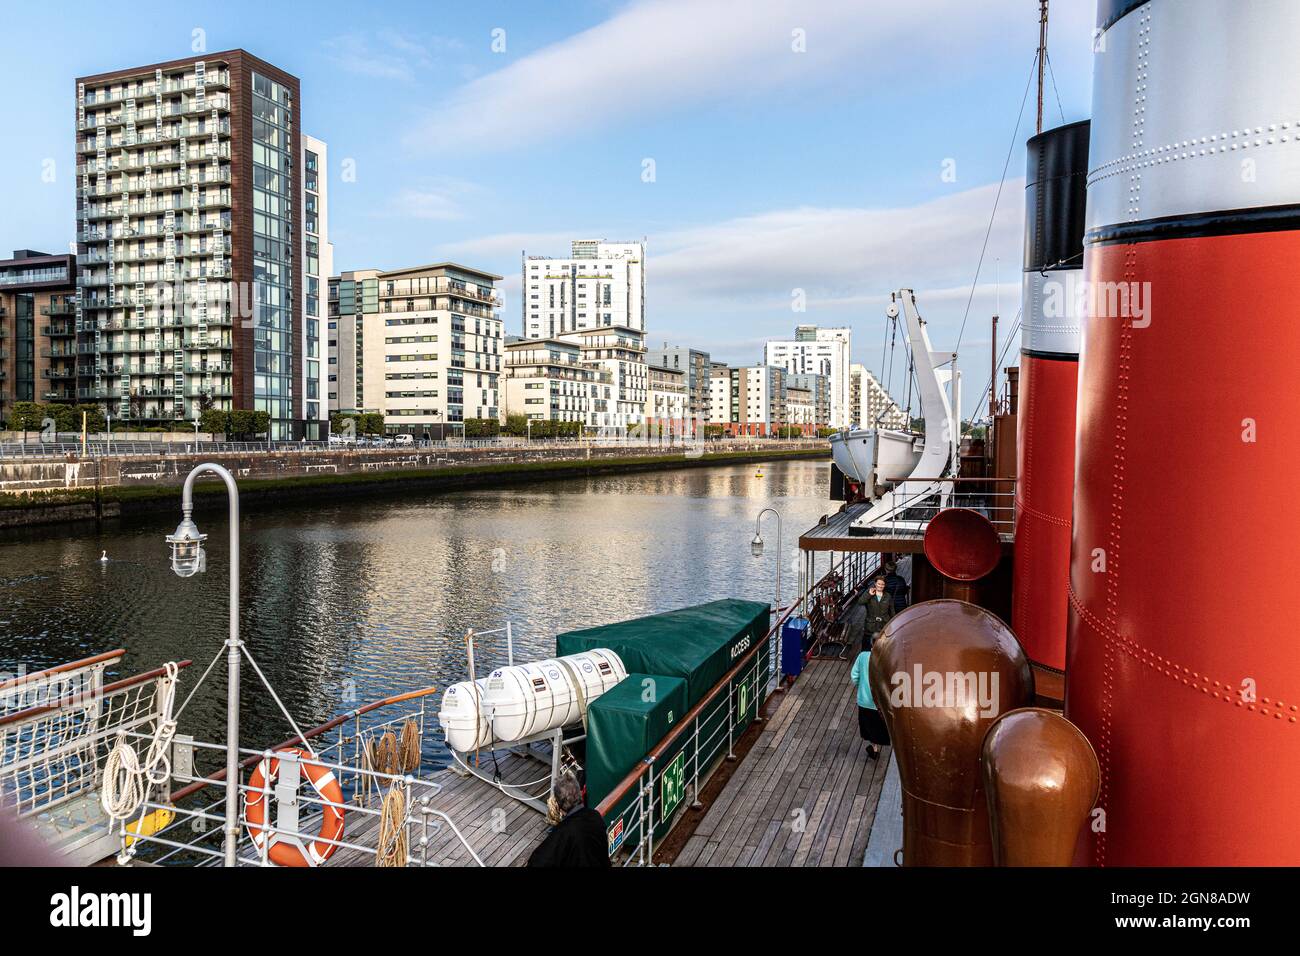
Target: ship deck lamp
(188, 556)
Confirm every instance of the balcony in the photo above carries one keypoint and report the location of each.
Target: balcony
(58, 374)
(62, 330)
(58, 353)
(209, 368)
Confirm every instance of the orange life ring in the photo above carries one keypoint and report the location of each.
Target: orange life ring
(288, 849)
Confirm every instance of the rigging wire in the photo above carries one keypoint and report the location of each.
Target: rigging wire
(1015, 135)
(1047, 58)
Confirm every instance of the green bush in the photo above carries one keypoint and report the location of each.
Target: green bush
(482, 428)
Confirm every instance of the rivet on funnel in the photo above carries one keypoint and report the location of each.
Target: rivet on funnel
(962, 544)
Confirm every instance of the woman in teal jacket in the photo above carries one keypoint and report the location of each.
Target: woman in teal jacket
(871, 725)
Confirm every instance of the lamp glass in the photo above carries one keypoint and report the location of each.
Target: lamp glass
(188, 556)
(756, 546)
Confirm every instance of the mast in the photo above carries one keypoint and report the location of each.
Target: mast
(1042, 57)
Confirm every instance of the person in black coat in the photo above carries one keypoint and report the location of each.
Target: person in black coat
(578, 839)
(880, 608)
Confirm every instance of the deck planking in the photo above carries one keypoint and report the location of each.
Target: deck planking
(806, 793)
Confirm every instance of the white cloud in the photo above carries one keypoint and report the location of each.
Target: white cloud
(729, 284)
(442, 200)
(653, 55)
(388, 55)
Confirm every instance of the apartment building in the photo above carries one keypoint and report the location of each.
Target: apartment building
(601, 284)
(318, 266)
(819, 388)
(619, 352)
(38, 333)
(870, 404)
(668, 401)
(189, 210)
(695, 364)
(546, 380)
(800, 410)
(421, 346)
(749, 400)
(818, 351)
(352, 296)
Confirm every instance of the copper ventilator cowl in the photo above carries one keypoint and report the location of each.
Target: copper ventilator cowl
(942, 672)
(1042, 780)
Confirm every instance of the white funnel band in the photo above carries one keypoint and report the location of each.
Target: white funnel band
(1190, 117)
(1054, 302)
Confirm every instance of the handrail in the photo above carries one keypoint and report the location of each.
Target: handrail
(60, 669)
(633, 777)
(107, 689)
(306, 735)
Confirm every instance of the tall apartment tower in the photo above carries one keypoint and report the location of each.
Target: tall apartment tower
(600, 284)
(317, 267)
(189, 226)
(817, 351)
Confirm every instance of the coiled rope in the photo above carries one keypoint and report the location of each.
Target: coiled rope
(124, 786)
(391, 846)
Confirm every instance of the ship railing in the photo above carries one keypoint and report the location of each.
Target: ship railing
(994, 498)
(84, 677)
(366, 757)
(646, 804)
(52, 754)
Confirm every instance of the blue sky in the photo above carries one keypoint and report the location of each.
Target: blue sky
(795, 145)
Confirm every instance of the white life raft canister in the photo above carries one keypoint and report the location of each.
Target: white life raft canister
(530, 699)
(463, 716)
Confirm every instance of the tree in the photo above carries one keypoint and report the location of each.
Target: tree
(214, 421)
(241, 425)
(261, 423)
(517, 425)
(482, 428)
(25, 417)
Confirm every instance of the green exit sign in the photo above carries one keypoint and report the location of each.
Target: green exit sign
(673, 785)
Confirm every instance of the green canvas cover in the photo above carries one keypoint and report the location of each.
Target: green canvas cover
(624, 724)
(699, 644)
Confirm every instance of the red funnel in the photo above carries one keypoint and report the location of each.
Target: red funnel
(962, 544)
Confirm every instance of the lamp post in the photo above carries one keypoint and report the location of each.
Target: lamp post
(188, 559)
(756, 548)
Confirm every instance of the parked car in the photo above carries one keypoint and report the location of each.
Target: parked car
(403, 439)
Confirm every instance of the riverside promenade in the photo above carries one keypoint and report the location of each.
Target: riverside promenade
(55, 483)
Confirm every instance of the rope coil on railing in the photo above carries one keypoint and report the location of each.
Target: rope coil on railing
(126, 782)
(391, 847)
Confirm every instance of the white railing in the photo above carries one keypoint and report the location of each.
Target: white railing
(102, 447)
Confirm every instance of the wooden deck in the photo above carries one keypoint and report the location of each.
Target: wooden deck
(806, 794)
(502, 830)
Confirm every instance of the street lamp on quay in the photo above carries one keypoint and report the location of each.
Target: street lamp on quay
(189, 559)
(756, 548)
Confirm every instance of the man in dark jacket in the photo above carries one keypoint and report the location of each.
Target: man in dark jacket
(895, 586)
(579, 837)
(880, 608)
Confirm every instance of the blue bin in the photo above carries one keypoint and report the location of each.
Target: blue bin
(794, 635)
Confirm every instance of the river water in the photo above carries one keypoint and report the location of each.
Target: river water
(348, 601)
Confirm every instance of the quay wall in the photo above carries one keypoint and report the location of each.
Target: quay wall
(44, 491)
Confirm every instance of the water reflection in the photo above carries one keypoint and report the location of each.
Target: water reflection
(346, 601)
